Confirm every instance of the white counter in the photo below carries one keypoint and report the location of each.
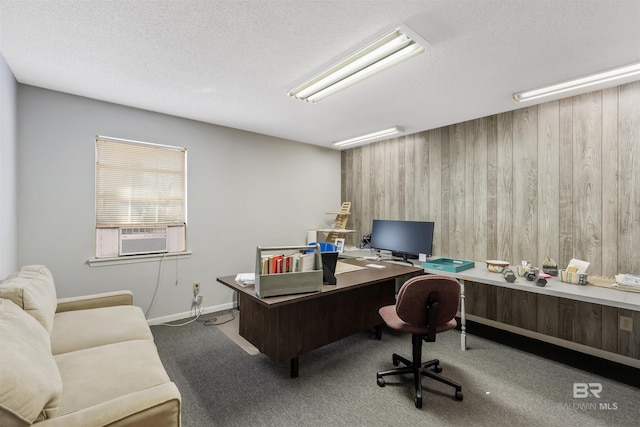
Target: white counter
(555, 287)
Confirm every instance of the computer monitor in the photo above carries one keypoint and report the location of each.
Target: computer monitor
(406, 239)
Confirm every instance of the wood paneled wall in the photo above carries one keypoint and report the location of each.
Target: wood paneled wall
(559, 179)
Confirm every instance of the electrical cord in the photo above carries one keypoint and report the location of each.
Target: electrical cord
(194, 306)
(213, 321)
(155, 292)
(185, 323)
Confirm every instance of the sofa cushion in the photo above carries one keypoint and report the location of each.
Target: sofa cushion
(96, 375)
(33, 290)
(80, 329)
(30, 383)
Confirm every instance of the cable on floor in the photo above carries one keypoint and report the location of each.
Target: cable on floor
(213, 321)
(185, 323)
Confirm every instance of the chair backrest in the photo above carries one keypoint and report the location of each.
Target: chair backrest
(411, 305)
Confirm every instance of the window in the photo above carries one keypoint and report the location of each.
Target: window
(140, 198)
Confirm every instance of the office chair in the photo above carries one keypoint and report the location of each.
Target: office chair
(426, 305)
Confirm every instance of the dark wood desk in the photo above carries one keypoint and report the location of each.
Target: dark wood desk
(283, 327)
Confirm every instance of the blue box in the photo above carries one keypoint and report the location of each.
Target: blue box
(448, 264)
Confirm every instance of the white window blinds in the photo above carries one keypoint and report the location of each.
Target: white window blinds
(139, 183)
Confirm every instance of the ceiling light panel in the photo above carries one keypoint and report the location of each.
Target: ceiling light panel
(390, 49)
(618, 75)
(369, 137)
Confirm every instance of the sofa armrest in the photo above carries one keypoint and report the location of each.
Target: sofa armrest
(157, 406)
(107, 299)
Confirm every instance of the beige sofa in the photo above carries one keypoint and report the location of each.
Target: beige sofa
(86, 361)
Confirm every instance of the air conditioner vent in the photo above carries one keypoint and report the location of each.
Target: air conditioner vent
(143, 240)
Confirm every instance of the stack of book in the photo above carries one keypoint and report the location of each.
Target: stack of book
(628, 282)
(281, 263)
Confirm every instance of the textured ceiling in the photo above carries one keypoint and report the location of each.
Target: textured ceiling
(231, 62)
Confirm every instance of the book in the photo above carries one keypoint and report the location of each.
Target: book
(628, 282)
(264, 264)
(295, 263)
(308, 261)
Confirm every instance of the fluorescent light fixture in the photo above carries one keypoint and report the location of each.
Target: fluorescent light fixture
(369, 136)
(390, 49)
(580, 83)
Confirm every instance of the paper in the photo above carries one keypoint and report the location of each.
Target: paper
(375, 265)
(343, 267)
(246, 279)
(578, 265)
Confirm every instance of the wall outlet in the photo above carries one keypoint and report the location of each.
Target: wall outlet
(196, 288)
(626, 323)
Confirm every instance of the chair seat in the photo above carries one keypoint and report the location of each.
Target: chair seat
(390, 317)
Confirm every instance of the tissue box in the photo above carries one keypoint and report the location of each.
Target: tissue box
(575, 278)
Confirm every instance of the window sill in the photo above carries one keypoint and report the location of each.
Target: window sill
(132, 259)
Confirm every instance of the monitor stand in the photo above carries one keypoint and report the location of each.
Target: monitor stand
(403, 257)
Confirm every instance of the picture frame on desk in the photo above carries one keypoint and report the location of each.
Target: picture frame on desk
(340, 244)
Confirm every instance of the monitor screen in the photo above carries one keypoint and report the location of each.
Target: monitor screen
(403, 238)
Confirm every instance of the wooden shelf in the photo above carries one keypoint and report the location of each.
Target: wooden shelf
(339, 225)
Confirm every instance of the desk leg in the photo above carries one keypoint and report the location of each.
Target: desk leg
(294, 367)
(463, 320)
(378, 332)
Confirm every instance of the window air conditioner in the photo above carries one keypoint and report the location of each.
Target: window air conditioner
(143, 240)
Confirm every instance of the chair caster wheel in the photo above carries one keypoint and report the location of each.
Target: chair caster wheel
(380, 381)
(437, 369)
(396, 362)
(418, 402)
(458, 395)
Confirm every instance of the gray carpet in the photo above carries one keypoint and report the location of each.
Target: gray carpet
(223, 385)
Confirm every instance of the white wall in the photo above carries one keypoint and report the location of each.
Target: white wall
(8, 141)
(244, 190)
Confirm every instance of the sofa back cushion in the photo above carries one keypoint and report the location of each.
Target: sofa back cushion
(30, 382)
(32, 289)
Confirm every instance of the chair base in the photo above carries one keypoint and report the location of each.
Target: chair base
(430, 369)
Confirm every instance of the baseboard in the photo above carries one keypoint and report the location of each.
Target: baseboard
(185, 315)
(596, 365)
